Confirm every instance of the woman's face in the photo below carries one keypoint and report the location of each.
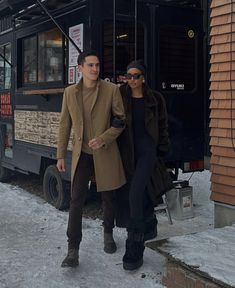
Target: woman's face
(134, 78)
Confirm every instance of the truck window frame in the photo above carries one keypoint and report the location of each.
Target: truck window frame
(44, 81)
(6, 68)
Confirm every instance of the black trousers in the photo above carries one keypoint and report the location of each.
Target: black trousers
(84, 171)
(140, 204)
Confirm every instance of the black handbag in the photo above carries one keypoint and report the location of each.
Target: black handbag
(161, 181)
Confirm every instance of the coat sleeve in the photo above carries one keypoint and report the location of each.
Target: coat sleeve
(64, 128)
(117, 121)
(164, 141)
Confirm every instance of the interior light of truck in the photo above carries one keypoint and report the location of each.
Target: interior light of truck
(122, 36)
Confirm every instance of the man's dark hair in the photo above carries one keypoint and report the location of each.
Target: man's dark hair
(84, 54)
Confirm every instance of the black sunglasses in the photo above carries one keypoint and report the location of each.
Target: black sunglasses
(134, 76)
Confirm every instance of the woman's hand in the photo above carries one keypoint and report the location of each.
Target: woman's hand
(96, 143)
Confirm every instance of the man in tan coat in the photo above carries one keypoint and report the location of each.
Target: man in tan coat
(94, 109)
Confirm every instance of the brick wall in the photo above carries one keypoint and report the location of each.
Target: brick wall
(177, 276)
(222, 116)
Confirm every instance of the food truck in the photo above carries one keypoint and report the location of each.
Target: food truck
(39, 44)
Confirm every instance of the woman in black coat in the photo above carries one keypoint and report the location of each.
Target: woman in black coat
(144, 139)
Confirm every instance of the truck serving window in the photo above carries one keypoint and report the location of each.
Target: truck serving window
(5, 69)
(42, 60)
(177, 55)
(125, 45)
(30, 60)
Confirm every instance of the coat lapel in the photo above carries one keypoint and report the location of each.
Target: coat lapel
(96, 95)
(78, 98)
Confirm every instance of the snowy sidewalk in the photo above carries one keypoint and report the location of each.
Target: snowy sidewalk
(33, 244)
(209, 253)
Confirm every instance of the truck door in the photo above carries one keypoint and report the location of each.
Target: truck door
(6, 105)
(179, 77)
(170, 40)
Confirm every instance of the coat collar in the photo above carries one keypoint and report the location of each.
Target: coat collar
(79, 86)
(150, 99)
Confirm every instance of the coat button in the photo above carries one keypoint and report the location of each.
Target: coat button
(79, 138)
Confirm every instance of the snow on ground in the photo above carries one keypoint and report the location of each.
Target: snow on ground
(202, 206)
(210, 252)
(33, 244)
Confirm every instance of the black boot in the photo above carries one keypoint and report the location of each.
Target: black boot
(150, 225)
(133, 257)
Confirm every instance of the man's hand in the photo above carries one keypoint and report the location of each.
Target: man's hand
(60, 165)
(96, 143)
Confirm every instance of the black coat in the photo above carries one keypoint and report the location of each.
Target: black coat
(156, 122)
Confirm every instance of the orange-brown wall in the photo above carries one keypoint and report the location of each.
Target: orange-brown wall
(222, 116)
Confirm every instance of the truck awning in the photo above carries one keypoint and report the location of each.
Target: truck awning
(13, 7)
(27, 9)
(9, 7)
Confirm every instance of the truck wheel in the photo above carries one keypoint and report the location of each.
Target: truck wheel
(54, 188)
(4, 174)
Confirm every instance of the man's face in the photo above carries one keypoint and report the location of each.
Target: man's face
(90, 68)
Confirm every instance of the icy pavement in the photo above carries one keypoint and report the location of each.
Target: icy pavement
(210, 252)
(33, 244)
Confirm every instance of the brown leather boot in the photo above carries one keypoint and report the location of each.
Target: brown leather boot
(109, 243)
(71, 260)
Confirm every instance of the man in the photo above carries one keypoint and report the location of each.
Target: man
(89, 107)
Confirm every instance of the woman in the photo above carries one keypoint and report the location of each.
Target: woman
(144, 139)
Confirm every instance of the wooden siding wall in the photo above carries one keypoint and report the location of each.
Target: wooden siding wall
(222, 116)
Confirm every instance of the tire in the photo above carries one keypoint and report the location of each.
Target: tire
(55, 189)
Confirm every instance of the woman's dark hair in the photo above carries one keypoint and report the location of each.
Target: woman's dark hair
(138, 64)
(84, 54)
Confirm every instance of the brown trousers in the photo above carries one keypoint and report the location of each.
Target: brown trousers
(84, 171)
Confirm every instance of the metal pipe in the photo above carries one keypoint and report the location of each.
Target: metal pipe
(136, 29)
(114, 40)
(5, 59)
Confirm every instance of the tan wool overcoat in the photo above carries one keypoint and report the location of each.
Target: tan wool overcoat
(109, 173)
